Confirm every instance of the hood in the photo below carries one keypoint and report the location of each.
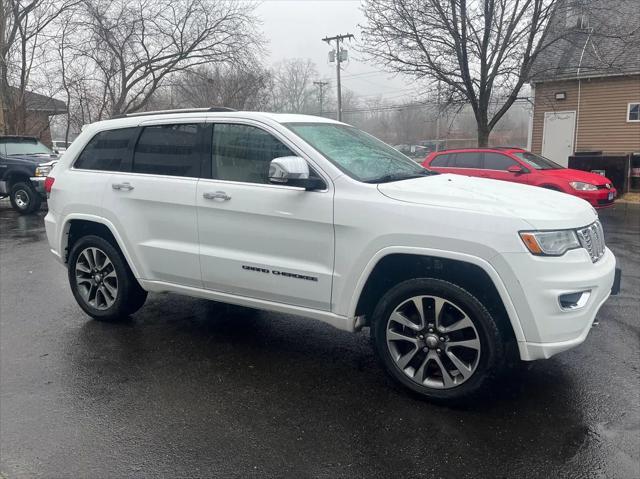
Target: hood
(569, 174)
(541, 208)
(30, 159)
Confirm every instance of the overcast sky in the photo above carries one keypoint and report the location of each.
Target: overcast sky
(295, 29)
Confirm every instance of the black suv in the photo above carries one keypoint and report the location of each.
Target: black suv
(24, 164)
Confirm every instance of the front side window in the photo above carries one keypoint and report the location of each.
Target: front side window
(359, 155)
(244, 153)
(107, 151)
(171, 150)
(497, 161)
(633, 112)
(536, 161)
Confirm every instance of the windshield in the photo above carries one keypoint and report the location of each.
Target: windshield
(359, 155)
(536, 161)
(24, 147)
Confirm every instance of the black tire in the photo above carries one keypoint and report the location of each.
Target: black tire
(491, 357)
(24, 198)
(129, 297)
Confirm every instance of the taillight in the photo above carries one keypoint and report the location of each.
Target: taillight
(48, 183)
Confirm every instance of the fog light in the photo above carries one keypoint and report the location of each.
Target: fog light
(571, 301)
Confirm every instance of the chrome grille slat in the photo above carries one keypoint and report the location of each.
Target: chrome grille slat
(592, 239)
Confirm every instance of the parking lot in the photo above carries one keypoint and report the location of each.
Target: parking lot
(192, 388)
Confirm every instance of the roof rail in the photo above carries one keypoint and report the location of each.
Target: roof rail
(169, 112)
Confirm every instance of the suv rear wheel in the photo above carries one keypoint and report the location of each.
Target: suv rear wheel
(24, 199)
(101, 281)
(437, 339)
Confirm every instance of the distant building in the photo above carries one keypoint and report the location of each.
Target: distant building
(39, 109)
(586, 85)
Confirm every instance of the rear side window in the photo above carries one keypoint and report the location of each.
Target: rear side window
(244, 153)
(466, 160)
(496, 161)
(108, 150)
(440, 160)
(172, 150)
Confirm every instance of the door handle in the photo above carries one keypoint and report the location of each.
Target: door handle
(122, 186)
(218, 195)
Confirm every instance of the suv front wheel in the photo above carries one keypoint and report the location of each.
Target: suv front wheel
(437, 339)
(101, 281)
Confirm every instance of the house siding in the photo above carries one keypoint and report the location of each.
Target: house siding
(37, 123)
(601, 117)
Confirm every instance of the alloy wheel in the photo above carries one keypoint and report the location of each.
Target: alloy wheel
(433, 342)
(96, 278)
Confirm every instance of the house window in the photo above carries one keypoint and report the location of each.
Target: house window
(576, 16)
(633, 112)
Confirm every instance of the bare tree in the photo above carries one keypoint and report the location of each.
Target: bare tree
(23, 43)
(240, 88)
(292, 89)
(480, 51)
(135, 45)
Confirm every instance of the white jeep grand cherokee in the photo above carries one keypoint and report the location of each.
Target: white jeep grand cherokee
(305, 215)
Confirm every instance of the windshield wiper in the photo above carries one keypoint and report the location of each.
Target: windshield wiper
(400, 176)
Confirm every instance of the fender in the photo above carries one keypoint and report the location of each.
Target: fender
(96, 219)
(467, 258)
(19, 170)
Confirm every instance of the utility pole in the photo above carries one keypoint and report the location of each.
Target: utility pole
(438, 119)
(321, 85)
(338, 39)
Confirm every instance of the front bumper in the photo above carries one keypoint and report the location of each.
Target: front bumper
(38, 185)
(535, 285)
(598, 198)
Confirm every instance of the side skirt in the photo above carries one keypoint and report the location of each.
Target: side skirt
(337, 321)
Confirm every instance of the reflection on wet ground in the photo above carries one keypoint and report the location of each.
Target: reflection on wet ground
(195, 388)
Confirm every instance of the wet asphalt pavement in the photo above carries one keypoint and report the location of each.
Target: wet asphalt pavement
(190, 388)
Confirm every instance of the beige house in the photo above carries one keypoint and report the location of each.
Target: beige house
(39, 110)
(586, 87)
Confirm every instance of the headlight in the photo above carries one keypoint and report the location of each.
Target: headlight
(550, 243)
(581, 186)
(45, 168)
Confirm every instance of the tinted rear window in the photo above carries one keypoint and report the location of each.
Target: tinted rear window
(440, 161)
(466, 160)
(171, 150)
(107, 151)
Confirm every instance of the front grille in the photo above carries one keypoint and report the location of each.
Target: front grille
(592, 239)
(604, 187)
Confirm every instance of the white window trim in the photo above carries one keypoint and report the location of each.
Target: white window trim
(629, 112)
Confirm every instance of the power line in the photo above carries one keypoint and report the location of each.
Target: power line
(363, 74)
(406, 106)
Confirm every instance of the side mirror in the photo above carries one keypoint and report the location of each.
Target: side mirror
(293, 171)
(516, 169)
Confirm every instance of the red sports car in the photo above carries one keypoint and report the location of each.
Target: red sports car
(521, 166)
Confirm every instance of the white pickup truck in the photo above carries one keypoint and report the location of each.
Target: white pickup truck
(309, 216)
